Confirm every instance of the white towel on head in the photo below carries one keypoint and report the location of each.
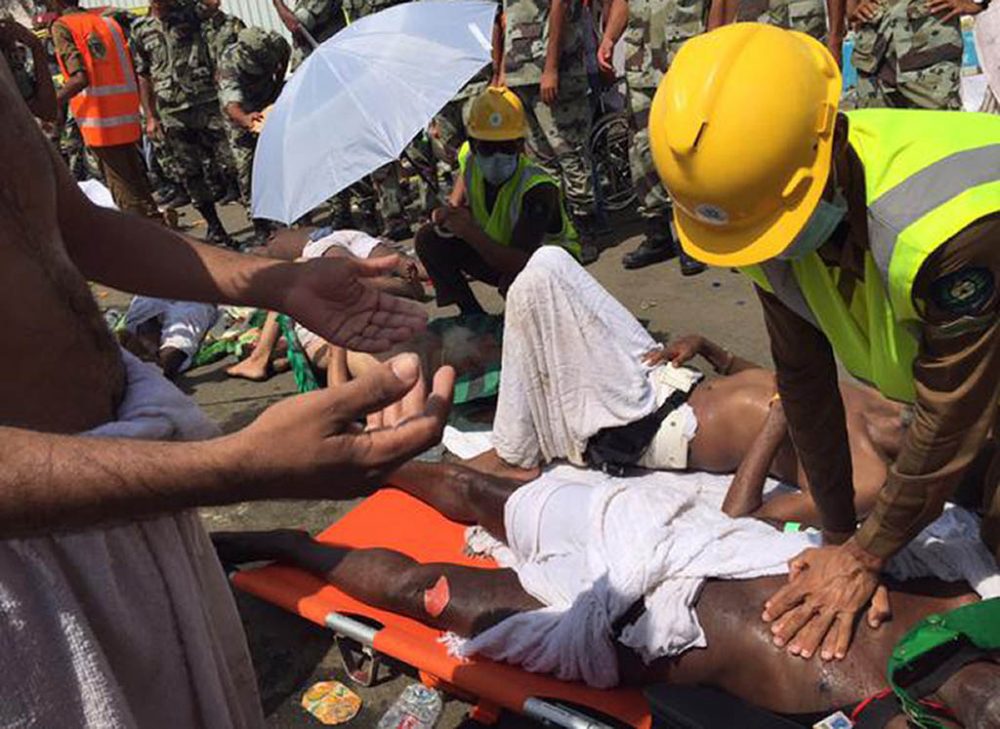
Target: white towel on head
(571, 363)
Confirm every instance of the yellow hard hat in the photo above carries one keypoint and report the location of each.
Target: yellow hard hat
(497, 115)
(741, 131)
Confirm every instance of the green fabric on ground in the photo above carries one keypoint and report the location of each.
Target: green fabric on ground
(484, 382)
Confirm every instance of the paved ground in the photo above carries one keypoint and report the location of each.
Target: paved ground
(290, 654)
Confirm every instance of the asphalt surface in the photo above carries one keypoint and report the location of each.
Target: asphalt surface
(291, 654)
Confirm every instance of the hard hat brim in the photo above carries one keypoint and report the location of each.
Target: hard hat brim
(749, 245)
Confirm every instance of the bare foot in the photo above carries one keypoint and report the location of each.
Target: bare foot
(250, 369)
(240, 547)
(490, 463)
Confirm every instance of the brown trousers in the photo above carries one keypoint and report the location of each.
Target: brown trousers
(125, 175)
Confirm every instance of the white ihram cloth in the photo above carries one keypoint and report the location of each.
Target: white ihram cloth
(356, 242)
(589, 546)
(184, 324)
(129, 625)
(572, 364)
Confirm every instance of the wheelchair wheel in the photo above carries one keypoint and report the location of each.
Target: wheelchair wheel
(609, 146)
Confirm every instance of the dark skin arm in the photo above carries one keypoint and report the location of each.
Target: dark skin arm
(241, 118)
(717, 14)
(73, 86)
(615, 24)
(684, 349)
(287, 17)
(541, 204)
(499, 76)
(836, 12)
(746, 493)
(550, 75)
(147, 100)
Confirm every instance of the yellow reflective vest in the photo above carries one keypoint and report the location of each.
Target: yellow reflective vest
(928, 175)
(499, 222)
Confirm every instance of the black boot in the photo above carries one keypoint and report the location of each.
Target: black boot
(586, 227)
(179, 200)
(216, 232)
(658, 246)
(689, 266)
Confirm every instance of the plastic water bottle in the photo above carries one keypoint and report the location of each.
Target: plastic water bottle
(418, 707)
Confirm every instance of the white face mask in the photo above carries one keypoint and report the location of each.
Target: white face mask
(818, 229)
(497, 168)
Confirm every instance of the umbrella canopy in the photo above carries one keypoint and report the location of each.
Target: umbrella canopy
(361, 97)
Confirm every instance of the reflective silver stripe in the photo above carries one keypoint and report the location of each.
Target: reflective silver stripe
(786, 288)
(108, 121)
(906, 203)
(130, 84)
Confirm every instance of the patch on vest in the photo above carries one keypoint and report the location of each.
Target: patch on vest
(96, 46)
(964, 292)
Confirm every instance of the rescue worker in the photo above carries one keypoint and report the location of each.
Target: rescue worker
(217, 27)
(251, 73)
(179, 100)
(543, 63)
(502, 208)
(100, 86)
(653, 30)
(871, 235)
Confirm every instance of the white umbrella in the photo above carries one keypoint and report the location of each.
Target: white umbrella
(361, 96)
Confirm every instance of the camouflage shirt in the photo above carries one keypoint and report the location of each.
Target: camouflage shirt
(527, 40)
(220, 30)
(250, 70)
(656, 30)
(805, 16)
(173, 55)
(322, 18)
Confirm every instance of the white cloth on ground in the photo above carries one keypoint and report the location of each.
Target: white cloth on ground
(356, 242)
(184, 324)
(589, 546)
(129, 625)
(571, 363)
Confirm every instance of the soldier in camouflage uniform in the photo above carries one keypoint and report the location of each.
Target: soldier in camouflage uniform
(806, 16)
(906, 56)
(219, 28)
(251, 72)
(559, 136)
(388, 191)
(447, 130)
(654, 31)
(179, 99)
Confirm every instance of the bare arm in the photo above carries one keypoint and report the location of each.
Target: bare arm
(73, 86)
(303, 447)
(724, 361)
(616, 22)
(746, 492)
(550, 73)
(43, 102)
(717, 14)
(836, 12)
(499, 75)
(147, 100)
(457, 196)
(287, 17)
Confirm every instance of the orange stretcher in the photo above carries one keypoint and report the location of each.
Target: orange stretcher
(394, 520)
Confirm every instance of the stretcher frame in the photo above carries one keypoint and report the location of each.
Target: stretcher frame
(412, 527)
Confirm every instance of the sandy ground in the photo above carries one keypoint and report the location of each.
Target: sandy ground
(291, 654)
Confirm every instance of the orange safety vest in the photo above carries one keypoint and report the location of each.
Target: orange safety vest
(107, 111)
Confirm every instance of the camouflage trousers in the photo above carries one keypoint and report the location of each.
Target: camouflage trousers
(196, 137)
(242, 143)
(935, 87)
(806, 16)
(559, 139)
(907, 58)
(654, 203)
(82, 163)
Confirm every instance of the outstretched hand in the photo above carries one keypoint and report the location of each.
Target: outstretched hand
(678, 352)
(827, 588)
(313, 442)
(330, 297)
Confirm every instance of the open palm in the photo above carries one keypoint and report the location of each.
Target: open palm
(330, 297)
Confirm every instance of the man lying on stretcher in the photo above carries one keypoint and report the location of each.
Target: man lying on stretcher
(577, 366)
(545, 524)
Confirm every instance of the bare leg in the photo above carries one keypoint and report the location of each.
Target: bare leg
(492, 464)
(461, 494)
(475, 599)
(255, 367)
